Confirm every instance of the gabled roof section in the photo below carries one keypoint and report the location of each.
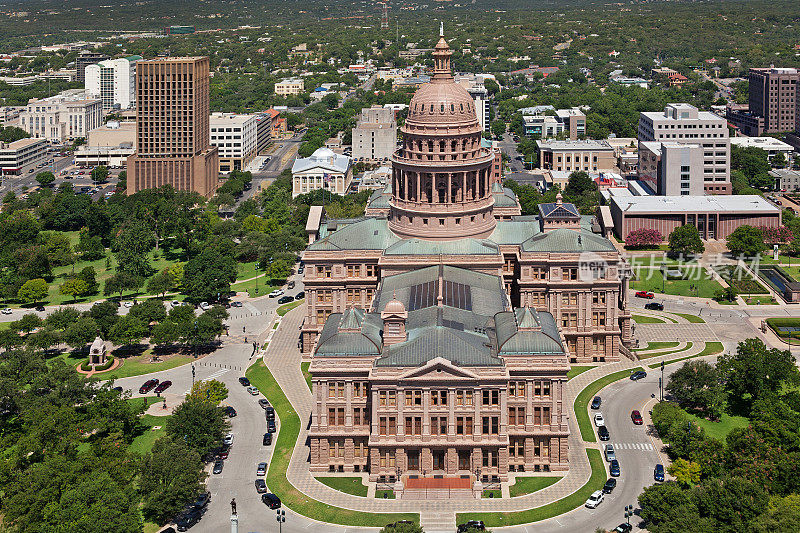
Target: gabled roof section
(514, 231)
(341, 342)
(351, 319)
(527, 332)
(558, 210)
(462, 349)
(567, 240)
(454, 247)
(367, 234)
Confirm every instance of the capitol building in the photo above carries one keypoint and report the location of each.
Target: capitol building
(442, 324)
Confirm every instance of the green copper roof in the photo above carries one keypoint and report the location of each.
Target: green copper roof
(542, 339)
(514, 231)
(352, 319)
(455, 247)
(367, 234)
(567, 240)
(461, 348)
(503, 197)
(527, 318)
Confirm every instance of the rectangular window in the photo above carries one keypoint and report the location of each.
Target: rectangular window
(324, 271)
(392, 425)
(382, 398)
(569, 274)
(340, 416)
(357, 416)
(353, 271)
(439, 397)
(569, 320)
(459, 425)
(599, 319)
(468, 425)
(331, 417)
(539, 273)
(598, 298)
(569, 298)
(371, 270)
(353, 296)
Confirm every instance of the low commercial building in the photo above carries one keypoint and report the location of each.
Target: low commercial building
(375, 179)
(235, 137)
(672, 169)
(740, 117)
(575, 155)
(786, 180)
(715, 217)
(375, 134)
(771, 145)
(66, 116)
(21, 154)
(265, 124)
(322, 170)
(540, 125)
(290, 87)
(109, 145)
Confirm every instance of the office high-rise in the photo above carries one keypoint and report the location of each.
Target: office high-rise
(172, 127)
(774, 96)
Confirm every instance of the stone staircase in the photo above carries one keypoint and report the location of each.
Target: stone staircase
(437, 522)
(437, 494)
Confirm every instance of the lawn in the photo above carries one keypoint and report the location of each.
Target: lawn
(703, 288)
(491, 494)
(577, 371)
(583, 398)
(719, 429)
(527, 485)
(285, 308)
(138, 365)
(260, 376)
(694, 319)
(711, 348)
(665, 352)
(144, 443)
(255, 287)
(641, 319)
(385, 494)
(740, 279)
(760, 300)
(559, 507)
(658, 345)
(306, 374)
(349, 485)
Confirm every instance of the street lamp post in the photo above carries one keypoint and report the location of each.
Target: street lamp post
(628, 513)
(280, 516)
(661, 382)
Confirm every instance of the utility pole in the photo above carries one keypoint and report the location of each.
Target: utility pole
(661, 382)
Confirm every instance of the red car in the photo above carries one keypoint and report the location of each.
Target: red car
(148, 386)
(164, 385)
(645, 294)
(636, 417)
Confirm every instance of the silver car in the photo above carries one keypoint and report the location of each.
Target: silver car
(261, 469)
(609, 451)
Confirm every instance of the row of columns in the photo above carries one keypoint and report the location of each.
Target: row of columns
(441, 187)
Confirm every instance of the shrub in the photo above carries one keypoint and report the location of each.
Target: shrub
(85, 366)
(106, 365)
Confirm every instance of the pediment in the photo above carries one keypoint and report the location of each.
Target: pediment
(438, 368)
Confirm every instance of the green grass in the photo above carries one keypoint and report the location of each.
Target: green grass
(138, 365)
(585, 396)
(665, 352)
(385, 494)
(492, 494)
(559, 507)
(680, 287)
(306, 373)
(275, 325)
(641, 319)
(719, 429)
(255, 287)
(247, 270)
(527, 485)
(760, 300)
(285, 308)
(711, 348)
(694, 319)
(658, 345)
(349, 485)
(144, 443)
(260, 376)
(577, 371)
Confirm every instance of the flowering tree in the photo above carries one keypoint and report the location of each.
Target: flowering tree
(777, 235)
(643, 238)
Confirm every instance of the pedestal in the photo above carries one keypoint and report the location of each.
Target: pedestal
(234, 523)
(477, 489)
(398, 489)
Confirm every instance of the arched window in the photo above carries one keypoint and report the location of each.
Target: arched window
(441, 107)
(452, 108)
(462, 108)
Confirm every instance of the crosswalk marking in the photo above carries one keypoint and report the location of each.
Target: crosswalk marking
(252, 308)
(215, 375)
(633, 446)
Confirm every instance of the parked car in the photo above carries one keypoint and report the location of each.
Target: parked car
(271, 501)
(261, 469)
(596, 401)
(228, 439)
(595, 499)
(654, 306)
(264, 403)
(285, 299)
(471, 524)
(218, 464)
(636, 418)
(639, 374)
(164, 385)
(658, 473)
(148, 385)
(204, 306)
(276, 293)
(202, 501)
(599, 420)
(128, 304)
(603, 434)
(610, 485)
(6, 311)
(39, 308)
(267, 439)
(176, 303)
(270, 426)
(230, 412)
(188, 519)
(623, 528)
(244, 382)
(615, 470)
(236, 304)
(252, 390)
(261, 486)
(609, 452)
(300, 295)
(223, 452)
(290, 285)
(269, 412)
(645, 294)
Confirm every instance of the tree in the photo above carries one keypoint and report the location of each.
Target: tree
(89, 276)
(131, 247)
(747, 241)
(278, 270)
(209, 275)
(779, 160)
(212, 390)
(105, 316)
(73, 287)
(32, 290)
(643, 238)
(27, 323)
(782, 514)
(685, 241)
(62, 318)
(100, 174)
(203, 330)
(697, 386)
(59, 249)
(171, 475)
(90, 246)
(150, 311)
(120, 282)
(43, 339)
(498, 128)
(728, 293)
(685, 472)
(128, 330)
(166, 332)
(45, 179)
(161, 283)
(663, 503)
(81, 332)
(578, 184)
(754, 372)
(198, 423)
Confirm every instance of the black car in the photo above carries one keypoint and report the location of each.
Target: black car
(261, 486)
(267, 439)
(244, 382)
(118, 389)
(610, 485)
(603, 433)
(285, 300)
(639, 374)
(230, 412)
(218, 465)
(654, 306)
(300, 295)
(148, 385)
(269, 413)
(271, 501)
(596, 401)
(39, 308)
(188, 519)
(658, 473)
(471, 524)
(168, 530)
(623, 528)
(264, 403)
(614, 469)
(270, 426)
(201, 502)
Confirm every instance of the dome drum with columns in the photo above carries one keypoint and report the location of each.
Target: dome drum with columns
(441, 179)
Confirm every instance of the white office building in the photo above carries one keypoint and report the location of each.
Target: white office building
(236, 139)
(66, 116)
(113, 81)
